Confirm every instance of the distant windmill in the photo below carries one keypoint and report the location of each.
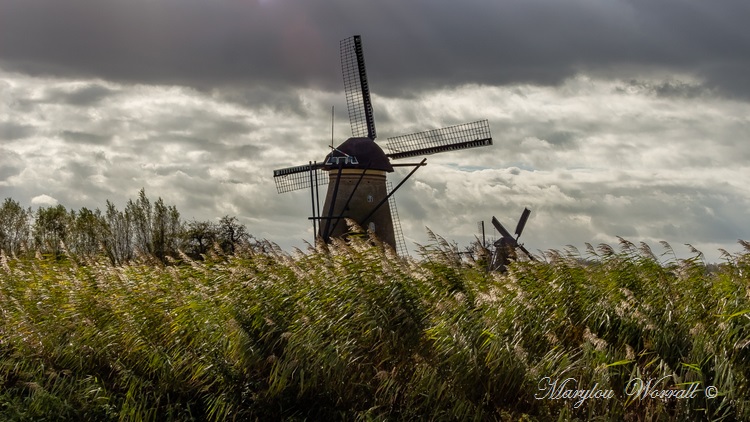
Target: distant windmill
(356, 169)
(505, 247)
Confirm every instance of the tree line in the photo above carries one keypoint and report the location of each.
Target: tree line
(142, 228)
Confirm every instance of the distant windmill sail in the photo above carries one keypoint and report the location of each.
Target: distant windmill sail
(505, 233)
(522, 222)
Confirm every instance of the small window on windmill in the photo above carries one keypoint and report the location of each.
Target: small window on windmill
(371, 226)
(370, 198)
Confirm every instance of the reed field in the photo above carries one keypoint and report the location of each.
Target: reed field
(349, 331)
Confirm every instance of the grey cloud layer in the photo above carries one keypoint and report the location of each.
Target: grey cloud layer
(592, 158)
(287, 43)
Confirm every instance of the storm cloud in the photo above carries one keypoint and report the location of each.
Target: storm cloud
(209, 44)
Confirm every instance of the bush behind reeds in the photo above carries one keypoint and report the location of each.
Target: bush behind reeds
(350, 331)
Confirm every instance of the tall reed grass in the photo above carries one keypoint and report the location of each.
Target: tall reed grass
(349, 331)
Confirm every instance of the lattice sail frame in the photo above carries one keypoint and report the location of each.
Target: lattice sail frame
(401, 249)
(467, 135)
(300, 177)
(357, 88)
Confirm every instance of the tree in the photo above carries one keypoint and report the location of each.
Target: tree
(166, 230)
(51, 229)
(199, 237)
(14, 227)
(88, 232)
(139, 213)
(231, 234)
(118, 237)
(156, 230)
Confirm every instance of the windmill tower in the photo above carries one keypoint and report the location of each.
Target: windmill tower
(356, 170)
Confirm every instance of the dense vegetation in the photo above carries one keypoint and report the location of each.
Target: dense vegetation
(142, 228)
(350, 331)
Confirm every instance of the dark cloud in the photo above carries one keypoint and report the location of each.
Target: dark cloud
(11, 164)
(85, 138)
(666, 89)
(662, 210)
(561, 140)
(729, 77)
(205, 126)
(409, 45)
(268, 97)
(10, 131)
(86, 95)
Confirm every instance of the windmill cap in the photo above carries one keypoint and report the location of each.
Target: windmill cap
(366, 154)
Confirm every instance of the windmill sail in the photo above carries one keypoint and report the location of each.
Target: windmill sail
(467, 135)
(401, 249)
(299, 177)
(505, 233)
(356, 88)
(522, 222)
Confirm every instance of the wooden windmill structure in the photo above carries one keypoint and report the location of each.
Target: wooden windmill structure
(507, 246)
(355, 171)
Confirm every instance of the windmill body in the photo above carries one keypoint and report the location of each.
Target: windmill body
(356, 170)
(354, 189)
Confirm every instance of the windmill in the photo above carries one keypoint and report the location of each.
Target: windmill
(505, 247)
(355, 171)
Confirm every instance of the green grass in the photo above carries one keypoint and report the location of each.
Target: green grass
(351, 332)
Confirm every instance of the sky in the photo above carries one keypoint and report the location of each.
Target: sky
(610, 118)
